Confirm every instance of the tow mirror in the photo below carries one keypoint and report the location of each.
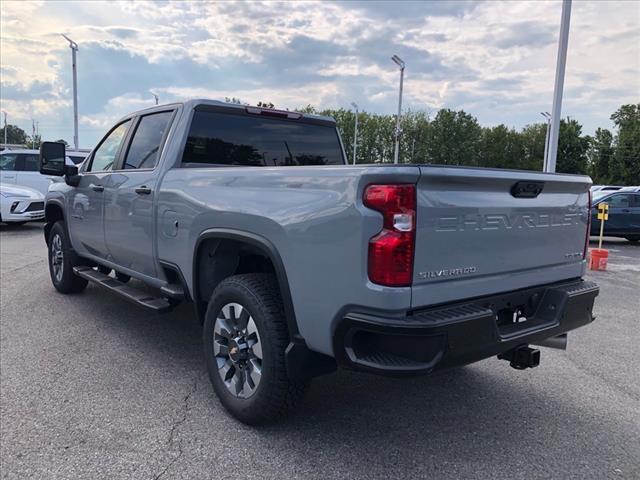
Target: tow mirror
(52, 158)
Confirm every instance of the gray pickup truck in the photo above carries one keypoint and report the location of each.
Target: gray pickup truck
(297, 263)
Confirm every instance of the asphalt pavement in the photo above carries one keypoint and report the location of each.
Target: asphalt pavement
(94, 387)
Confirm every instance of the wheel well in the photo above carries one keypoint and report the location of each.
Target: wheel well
(219, 258)
(52, 214)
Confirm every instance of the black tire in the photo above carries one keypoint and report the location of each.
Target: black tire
(63, 279)
(124, 278)
(275, 394)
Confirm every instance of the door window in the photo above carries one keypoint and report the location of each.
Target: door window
(107, 153)
(145, 146)
(28, 163)
(620, 201)
(8, 161)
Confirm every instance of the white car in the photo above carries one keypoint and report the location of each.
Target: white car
(20, 204)
(22, 168)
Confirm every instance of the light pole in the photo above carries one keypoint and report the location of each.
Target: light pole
(561, 63)
(546, 115)
(154, 96)
(74, 48)
(398, 61)
(355, 133)
(5, 129)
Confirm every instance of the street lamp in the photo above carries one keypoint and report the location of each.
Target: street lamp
(154, 96)
(74, 48)
(561, 63)
(355, 133)
(398, 61)
(546, 115)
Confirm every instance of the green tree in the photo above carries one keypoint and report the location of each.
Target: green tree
(533, 138)
(601, 156)
(61, 140)
(572, 148)
(15, 135)
(501, 147)
(454, 138)
(626, 161)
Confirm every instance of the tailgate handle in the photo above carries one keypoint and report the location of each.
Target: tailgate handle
(527, 189)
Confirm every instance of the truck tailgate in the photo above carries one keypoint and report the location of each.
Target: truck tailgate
(483, 231)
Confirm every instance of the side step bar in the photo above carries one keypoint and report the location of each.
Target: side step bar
(135, 295)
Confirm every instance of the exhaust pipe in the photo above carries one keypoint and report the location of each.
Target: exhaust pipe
(559, 342)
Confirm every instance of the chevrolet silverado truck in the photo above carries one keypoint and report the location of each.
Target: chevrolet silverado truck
(297, 263)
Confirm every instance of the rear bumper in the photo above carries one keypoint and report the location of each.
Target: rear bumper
(456, 334)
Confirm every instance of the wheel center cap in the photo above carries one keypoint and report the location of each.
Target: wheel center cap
(238, 349)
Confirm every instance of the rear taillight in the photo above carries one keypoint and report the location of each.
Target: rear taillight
(586, 238)
(391, 250)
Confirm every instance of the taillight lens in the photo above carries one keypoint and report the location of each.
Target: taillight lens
(586, 238)
(391, 250)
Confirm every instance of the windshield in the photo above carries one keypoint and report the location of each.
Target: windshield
(599, 195)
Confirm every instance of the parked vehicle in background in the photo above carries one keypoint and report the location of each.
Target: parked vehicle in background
(605, 188)
(624, 213)
(297, 262)
(22, 168)
(20, 204)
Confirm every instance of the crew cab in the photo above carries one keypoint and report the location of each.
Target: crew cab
(297, 263)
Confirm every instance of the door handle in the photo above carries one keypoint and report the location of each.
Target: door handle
(97, 188)
(143, 190)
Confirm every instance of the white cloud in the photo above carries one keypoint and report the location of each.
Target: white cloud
(495, 59)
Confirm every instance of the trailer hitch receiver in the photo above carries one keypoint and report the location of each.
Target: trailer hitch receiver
(521, 357)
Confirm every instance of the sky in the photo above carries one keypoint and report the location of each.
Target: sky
(495, 60)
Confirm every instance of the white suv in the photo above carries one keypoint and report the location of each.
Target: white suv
(22, 168)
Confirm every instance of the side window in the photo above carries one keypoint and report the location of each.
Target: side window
(620, 201)
(28, 163)
(8, 161)
(145, 146)
(635, 201)
(106, 154)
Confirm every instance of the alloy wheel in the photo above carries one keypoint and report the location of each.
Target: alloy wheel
(238, 351)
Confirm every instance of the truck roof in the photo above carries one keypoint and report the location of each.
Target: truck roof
(193, 103)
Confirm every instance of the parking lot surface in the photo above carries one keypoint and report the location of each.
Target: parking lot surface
(94, 387)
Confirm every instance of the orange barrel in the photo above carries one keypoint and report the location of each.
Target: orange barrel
(598, 258)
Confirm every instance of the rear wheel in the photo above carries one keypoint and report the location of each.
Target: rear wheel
(245, 336)
(62, 260)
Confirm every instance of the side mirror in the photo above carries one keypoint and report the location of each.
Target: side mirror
(52, 158)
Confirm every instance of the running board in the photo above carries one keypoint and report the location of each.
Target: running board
(135, 295)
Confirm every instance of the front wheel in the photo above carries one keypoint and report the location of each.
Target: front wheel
(62, 260)
(245, 336)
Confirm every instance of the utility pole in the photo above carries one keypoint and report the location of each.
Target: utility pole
(74, 48)
(561, 63)
(355, 133)
(33, 134)
(546, 115)
(5, 129)
(154, 96)
(398, 61)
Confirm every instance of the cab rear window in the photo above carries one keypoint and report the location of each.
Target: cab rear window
(254, 140)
